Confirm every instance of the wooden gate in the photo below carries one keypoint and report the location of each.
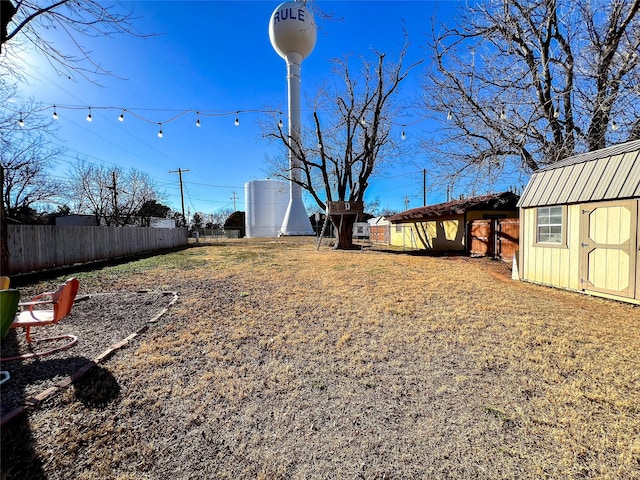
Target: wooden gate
(496, 238)
(608, 253)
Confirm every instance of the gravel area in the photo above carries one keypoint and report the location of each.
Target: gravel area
(99, 321)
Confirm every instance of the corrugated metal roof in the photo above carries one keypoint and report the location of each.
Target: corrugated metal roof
(494, 201)
(606, 174)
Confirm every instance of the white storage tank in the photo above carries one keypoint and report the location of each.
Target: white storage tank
(266, 203)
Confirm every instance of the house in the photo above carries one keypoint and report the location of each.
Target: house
(579, 225)
(443, 227)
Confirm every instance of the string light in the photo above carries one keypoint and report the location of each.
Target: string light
(503, 114)
(160, 135)
(614, 126)
(449, 115)
(177, 114)
(403, 136)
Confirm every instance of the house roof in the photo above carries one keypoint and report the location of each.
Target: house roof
(494, 201)
(606, 174)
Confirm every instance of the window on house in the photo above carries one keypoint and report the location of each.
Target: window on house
(549, 223)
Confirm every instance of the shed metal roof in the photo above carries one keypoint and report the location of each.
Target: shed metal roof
(607, 174)
(495, 201)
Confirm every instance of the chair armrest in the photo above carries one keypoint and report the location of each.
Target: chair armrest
(42, 295)
(37, 302)
(32, 304)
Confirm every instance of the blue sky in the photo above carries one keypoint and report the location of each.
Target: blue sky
(215, 57)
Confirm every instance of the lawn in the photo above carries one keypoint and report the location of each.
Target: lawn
(280, 361)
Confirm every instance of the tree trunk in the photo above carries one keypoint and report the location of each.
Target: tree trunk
(344, 227)
(4, 234)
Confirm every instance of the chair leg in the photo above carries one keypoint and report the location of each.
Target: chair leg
(72, 341)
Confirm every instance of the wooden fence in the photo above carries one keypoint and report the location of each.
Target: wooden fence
(494, 238)
(35, 248)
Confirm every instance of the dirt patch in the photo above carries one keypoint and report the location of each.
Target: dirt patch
(99, 320)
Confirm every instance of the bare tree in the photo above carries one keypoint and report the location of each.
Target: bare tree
(138, 189)
(32, 21)
(26, 157)
(220, 217)
(110, 194)
(351, 139)
(89, 190)
(521, 84)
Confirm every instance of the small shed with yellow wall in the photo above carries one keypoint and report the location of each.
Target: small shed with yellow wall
(579, 226)
(443, 227)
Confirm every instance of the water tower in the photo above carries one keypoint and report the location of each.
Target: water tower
(292, 31)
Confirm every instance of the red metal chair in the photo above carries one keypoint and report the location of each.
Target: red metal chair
(62, 301)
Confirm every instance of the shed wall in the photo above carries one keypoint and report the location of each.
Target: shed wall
(550, 265)
(612, 269)
(403, 235)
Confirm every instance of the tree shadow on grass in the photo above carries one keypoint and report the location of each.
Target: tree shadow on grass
(94, 386)
(97, 388)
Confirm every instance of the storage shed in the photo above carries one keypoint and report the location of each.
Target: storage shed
(579, 224)
(379, 230)
(443, 227)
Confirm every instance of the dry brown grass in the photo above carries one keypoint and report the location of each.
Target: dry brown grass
(280, 361)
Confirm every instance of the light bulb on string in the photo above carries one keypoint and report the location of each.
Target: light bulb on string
(614, 126)
(237, 121)
(403, 136)
(121, 117)
(280, 123)
(197, 119)
(160, 135)
(449, 115)
(89, 117)
(55, 113)
(503, 114)
(21, 121)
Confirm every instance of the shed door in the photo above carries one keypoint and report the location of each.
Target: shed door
(608, 257)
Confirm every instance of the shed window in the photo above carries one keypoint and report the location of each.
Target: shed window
(549, 223)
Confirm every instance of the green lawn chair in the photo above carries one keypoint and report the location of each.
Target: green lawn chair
(8, 307)
(9, 300)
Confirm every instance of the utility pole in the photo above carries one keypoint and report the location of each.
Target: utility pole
(115, 199)
(234, 201)
(424, 187)
(179, 172)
